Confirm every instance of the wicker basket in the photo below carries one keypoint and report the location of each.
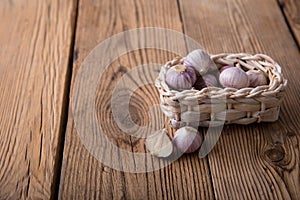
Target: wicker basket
(215, 106)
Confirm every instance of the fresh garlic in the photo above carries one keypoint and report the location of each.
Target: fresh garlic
(234, 77)
(159, 144)
(256, 78)
(181, 77)
(187, 139)
(200, 60)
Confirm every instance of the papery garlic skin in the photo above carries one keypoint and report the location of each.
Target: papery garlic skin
(181, 77)
(234, 77)
(200, 60)
(187, 139)
(159, 144)
(256, 78)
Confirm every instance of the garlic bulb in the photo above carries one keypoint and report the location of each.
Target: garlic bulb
(187, 139)
(200, 60)
(256, 78)
(181, 77)
(234, 77)
(159, 144)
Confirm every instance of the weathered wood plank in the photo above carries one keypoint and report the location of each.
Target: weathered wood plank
(83, 177)
(35, 43)
(259, 161)
(291, 9)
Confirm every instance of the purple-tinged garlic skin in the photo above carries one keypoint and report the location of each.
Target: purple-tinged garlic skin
(256, 78)
(186, 63)
(200, 60)
(234, 77)
(210, 80)
(224, 67)
(181, 77)
(187, 139)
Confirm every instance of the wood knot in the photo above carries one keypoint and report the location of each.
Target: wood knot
(290, 134)
(275, 154)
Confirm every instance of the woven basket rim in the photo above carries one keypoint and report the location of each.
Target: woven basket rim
(260, 62)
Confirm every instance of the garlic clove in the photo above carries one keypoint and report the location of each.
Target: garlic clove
(187, 139)
(159, 144)
(200, 60)
(234, 77)
(256, 78)
(181, 77)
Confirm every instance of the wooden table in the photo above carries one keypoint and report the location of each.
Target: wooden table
(42, 45)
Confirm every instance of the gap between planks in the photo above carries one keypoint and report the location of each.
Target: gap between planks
(65, 110)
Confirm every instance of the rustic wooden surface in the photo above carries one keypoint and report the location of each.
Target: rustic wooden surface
(37, 40)
(35, 44)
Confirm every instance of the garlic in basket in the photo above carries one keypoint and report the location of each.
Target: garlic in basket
(187, 139)
(200, 60)
(256, 78)
(234, 77)
(181, 77)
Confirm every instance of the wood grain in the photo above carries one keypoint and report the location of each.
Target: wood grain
(260, 161)
(35, 43)
(83, 177)
(291, 9)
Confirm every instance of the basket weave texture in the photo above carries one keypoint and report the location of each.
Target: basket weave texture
(215, 106)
